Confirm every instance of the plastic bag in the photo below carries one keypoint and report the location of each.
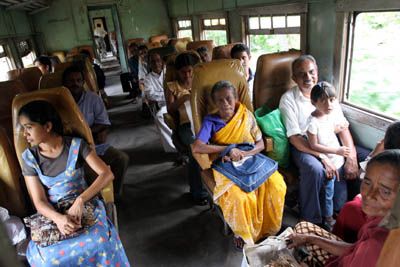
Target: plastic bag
(270, 252)
(14, 227)
(271, 124)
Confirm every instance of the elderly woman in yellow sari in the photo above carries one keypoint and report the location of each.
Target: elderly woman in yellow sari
(251, 215)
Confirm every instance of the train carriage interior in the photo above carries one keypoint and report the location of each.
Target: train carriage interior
(161, 122)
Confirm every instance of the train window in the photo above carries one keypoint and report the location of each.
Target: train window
(184, 28)
(5, 63)
(270, 34)
(26, 52)
(215, 29)
(374, 63)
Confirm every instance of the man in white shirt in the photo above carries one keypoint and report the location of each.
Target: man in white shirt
(314, 167)
(154, 94)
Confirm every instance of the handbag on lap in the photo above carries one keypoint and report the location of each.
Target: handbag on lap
(45, 232)
(248, 173)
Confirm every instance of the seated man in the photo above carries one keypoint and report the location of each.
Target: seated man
(142, 62)
(204, 54)
(133, 64)
(154, 94)
(314, 167)
(242, 52)
(96, 116)
(44, 64)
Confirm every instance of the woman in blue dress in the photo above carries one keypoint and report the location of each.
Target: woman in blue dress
(53, 172)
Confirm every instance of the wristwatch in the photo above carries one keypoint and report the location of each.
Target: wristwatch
(322, 156)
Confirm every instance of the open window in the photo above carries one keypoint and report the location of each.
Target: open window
(271, 29)
(214, 28)
(26, 52)
(372, 63)
(5, 62)
(184, 28)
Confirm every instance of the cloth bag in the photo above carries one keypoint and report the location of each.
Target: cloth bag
(248, 173)
(271, 124)
(45, 232)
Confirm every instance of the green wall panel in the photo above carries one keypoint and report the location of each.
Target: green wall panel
(65, 24)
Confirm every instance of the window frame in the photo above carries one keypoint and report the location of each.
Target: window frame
(31, 42)
(300, 9)
(219, 27)
(345, 16)
(177, 28)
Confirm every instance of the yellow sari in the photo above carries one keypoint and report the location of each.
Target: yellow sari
(250, 215)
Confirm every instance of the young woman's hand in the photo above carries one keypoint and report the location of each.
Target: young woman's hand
(66, 224)
(76, 210)
(330, 169)
(343, 151)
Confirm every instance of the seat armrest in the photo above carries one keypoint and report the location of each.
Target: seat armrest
(268, 143)
(108, 193)
(202, 159)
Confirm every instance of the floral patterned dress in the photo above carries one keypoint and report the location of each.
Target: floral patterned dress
(99, 245)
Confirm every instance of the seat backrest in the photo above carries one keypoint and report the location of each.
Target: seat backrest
(138, 41)
(158, 38)
(11, 193)
(205, 75)
(8, 90)
(13, 74)
(59, 54)
(165, 52)
(209, 44)
(87, 48)
(62, 100)
(273, 78)
(389, 255)
(28, 76)
(153, 45)
(181, 44)
(62, 66)
(51, 80)
(222, 51)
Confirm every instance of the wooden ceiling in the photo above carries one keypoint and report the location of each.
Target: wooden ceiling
(30, 6)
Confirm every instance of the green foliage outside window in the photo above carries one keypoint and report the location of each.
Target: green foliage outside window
(219, 36)
(375, 65)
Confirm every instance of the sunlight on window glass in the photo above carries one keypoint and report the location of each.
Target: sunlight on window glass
(222, 21)
(27, 60)
(219, 36)
(5, 66)
(181, 24)
(185, 33)
(1, 49)
(264, 44)
(278, 22)
(293, 21)
(265, 22)
(375, 65)
(207, 22)
(214, 22)
(253, 23)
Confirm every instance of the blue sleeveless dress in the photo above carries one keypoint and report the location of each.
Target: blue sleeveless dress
(98, 245)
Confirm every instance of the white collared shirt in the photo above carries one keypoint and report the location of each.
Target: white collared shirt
(153, 87)
(296, 108)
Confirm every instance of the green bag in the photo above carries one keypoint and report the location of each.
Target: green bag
(271, 124)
